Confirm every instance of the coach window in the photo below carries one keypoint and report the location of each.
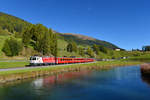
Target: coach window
(34, 59)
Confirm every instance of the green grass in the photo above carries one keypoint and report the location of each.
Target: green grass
(103, 64)
(4, 65)
(145, 58)
(62, 44)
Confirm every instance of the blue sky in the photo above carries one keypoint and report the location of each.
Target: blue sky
(125, 23)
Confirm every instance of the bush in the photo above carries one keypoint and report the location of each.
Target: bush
(12, 47)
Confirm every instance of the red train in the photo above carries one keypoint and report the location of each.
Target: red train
(36, 60)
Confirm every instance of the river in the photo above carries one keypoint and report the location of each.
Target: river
(120, 83)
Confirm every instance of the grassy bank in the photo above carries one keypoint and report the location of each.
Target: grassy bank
(5, 65)
(101, 64)
(7, 76)
(142, 58)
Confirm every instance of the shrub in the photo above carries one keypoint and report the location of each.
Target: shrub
(12, 47)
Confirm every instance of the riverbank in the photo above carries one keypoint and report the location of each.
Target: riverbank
(7, 76)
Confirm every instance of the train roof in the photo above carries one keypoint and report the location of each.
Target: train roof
(63, 57)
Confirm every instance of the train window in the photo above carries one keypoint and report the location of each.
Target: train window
(32, 58)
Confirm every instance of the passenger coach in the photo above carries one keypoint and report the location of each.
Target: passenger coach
(37, 60)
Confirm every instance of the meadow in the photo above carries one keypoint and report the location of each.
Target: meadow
(15, 64)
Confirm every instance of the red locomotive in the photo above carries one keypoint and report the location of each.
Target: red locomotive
(36, 60)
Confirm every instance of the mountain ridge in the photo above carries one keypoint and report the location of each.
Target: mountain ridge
(84, 37)
(86, 40)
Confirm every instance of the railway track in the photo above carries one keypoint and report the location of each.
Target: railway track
(31, 67)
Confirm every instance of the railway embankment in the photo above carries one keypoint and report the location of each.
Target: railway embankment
(13, 75)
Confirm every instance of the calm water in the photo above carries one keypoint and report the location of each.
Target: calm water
(122, 83)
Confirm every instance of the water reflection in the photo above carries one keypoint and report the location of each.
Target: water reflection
(121, 83)
(37, 83)
(145, 79)
(58, 79)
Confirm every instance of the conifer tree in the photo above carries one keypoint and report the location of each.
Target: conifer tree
(90, 52)
(103, 49)
(81, 51)
(69, 47)
(42, 39)
(74, 47)
(55, 46)
(96, 49)
(26, 37)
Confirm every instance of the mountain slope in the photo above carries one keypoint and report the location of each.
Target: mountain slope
(12, 23)
(85, 40)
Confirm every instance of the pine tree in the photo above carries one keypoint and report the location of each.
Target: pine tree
(103, 49)
(69, 47)
(74, 47)
(42, 39)
(81, 51)
(96, 49)
(46, 44)
(146, 48)
(55, 46)
(90, 52)
(26, 37)
(38, 36)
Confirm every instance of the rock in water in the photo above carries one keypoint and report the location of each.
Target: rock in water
(145, 69)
